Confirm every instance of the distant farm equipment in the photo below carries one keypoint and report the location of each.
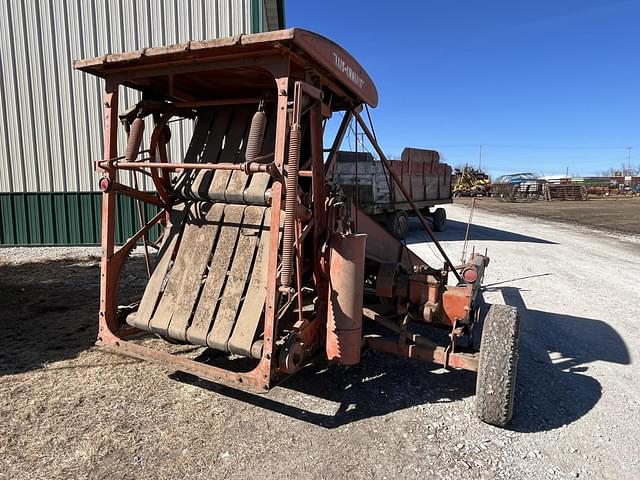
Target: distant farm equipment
(610, 186)
(470, 182)
(518, 187)
(565, 191)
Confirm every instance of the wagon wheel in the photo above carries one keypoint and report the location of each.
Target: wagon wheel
(496, 382)
(514, 193)
(439, 219)
(398, 224)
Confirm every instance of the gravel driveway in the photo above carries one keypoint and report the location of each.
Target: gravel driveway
(71, 411)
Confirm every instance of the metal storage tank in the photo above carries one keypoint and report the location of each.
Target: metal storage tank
(50, 129)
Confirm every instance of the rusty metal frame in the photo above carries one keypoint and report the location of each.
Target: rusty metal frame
(110, 336)
(437, 354)
(288, 69)
(260, 377)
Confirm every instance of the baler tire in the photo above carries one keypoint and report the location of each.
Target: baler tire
(439, 219)
(496, 383)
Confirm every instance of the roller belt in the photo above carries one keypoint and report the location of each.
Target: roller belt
(216, 248)
(221, 135)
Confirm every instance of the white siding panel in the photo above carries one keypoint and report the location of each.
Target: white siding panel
(13, 176)
(22, 85)
(51, 116)
(50, 91)
(41, 148)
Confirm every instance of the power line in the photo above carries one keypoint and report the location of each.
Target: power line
(539, 147)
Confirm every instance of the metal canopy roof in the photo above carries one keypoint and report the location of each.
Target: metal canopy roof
(169, 69)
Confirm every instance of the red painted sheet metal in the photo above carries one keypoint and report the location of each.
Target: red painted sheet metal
(318, 49)
(339, 62)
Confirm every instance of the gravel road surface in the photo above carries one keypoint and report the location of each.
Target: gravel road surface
(70, 410)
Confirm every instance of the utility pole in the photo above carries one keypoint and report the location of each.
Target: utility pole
(480, 159)
(629, 161)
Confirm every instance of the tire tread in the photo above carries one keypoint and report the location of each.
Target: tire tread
(496, 382)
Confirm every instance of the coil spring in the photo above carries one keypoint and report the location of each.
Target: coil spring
(290, 206)
(134, 140)
(256, 135)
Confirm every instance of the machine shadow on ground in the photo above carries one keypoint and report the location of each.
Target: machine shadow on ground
(48, 313)
(381, 384)
(553, 384)
(49, 309)
(456, 231)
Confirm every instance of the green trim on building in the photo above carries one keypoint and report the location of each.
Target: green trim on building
(257, 15)
(256, 11)
(40, 219)
(74, 218)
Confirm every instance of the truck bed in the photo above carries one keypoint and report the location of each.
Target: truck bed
(427, 180)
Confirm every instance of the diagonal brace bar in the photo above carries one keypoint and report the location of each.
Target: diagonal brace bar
(406, 195)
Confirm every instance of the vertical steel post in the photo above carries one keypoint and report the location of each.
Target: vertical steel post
(319, 199)
(108, 277)
(282, 123)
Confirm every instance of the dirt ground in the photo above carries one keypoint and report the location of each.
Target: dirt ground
(620, 214)
(70, 410)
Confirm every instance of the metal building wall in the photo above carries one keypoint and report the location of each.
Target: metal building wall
(51, 115)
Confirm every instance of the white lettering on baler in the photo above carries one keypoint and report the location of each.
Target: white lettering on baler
(345, 68)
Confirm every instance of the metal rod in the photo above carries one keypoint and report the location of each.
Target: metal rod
(142, 225)
(254, 168)
(137, 194)
(215, 103)
(394, 327)
(337, 142)
(319, 197)
(406, 195)
(298, 248)
(305, 231)
(466, 234)
(125, 249)
(438, 355)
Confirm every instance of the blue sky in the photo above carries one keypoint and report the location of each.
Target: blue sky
(543, 85)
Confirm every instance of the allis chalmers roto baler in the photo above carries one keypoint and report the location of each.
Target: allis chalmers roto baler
(262, 257)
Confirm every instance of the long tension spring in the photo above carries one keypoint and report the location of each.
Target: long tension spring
(290, 206)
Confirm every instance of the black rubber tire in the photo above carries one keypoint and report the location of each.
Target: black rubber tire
(439, 219)
(495, 387)
(398, 224)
